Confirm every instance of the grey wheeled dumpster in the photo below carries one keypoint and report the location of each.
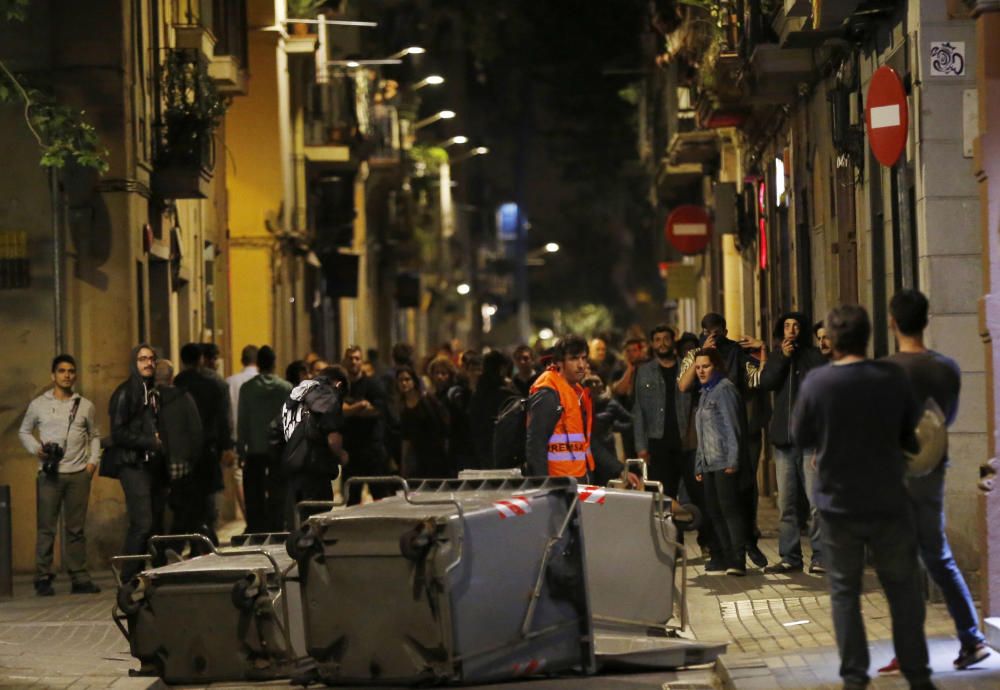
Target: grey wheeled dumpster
(223, 616)
(458, 582)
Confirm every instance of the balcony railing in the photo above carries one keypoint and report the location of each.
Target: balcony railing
(344, 112)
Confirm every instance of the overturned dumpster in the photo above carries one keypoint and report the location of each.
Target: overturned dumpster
(232, 614)
(478, 580)
(472, 580)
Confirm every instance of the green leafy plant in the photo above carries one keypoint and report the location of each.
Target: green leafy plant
(192, 109)
(62, 132)
(304, 9)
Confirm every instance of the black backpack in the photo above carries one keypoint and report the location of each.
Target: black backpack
(305, 449)
(510, 434)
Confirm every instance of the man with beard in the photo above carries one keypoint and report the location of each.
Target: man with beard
(823, 341)
(660, 416)
(138, 453)
(743, 371)
(786, 367)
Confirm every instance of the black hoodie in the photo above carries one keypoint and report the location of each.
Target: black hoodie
(133, 410)
(783, 375)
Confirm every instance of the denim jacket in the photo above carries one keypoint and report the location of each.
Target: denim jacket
(717, 422)
(647, 410)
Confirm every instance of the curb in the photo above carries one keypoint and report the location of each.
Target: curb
(744, 672)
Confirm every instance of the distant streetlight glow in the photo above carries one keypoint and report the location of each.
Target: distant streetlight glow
(454, 140)
(412, 50)
(463, 289)
(481, 151)
(552, 247)
(545, 334)
(443, 115)
(431, 80)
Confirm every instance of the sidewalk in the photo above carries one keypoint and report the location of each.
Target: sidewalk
(781, 629)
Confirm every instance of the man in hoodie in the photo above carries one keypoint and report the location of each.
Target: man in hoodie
(138, 450)
(312, 422)
(62, 416)
(260, 403)
(783, 372)
(180, 431)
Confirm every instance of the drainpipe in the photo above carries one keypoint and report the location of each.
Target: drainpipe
(57, 260)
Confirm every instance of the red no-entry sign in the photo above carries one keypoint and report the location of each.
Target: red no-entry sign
(689, 228)
(886, 116)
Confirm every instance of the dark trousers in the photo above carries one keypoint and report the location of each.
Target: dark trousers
(305, 487)
(671, 465)
(724, 502)
(189, 503)
(366, 464)
(892, 543)
(70, 493)
(263, 492)
(145, 500)
(751, 490)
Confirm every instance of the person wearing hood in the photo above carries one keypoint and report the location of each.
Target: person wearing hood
(782, 374)
(138, 453)
(180, 430)
(260, 403)
(312, 423)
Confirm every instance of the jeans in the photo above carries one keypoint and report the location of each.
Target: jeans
(70, 492)
(927, 501)
(892, 542)
(724, 502)
(145, 500)
(669, 466)
(794, 471)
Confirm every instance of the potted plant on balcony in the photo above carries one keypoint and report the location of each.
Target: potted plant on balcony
(303, 9)
(192, 108)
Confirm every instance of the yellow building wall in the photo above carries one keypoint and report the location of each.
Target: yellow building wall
(253, 172)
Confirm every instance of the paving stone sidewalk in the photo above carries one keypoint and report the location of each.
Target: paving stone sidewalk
(782, 631)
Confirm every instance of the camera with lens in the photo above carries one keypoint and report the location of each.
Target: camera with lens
(53, 455)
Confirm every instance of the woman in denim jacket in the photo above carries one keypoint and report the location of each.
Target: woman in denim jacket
(717, 460)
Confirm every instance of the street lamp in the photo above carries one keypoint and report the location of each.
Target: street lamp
(443, 115)
(412, 50)
(552, 247)
(463, 288)
(478, 151)
(545, 334)
(451, 142)
(430, 80)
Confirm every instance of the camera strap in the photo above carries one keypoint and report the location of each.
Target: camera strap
(69, 426)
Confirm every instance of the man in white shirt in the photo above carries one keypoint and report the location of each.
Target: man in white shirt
(68, 448)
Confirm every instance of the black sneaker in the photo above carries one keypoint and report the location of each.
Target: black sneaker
(782, 568)
(87, 587)
(756, 556)
(715, 565)
(816, 568)
(736, 570)
(969, 656)
(43, 588)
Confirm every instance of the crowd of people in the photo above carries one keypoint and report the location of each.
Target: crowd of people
(697, 408)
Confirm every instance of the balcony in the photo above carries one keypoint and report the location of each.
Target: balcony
(347, 121)
(217, 30)
(190, 110)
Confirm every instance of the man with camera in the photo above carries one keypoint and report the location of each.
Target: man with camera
(68, 446)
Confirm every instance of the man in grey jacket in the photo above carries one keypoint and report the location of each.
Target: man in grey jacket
(68, 447)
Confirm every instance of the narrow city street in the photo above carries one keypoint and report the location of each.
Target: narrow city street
(779, 628)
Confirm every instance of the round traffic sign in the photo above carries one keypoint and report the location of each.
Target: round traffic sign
(689, 229)
(886, 116)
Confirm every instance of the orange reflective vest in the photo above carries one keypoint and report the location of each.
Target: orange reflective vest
(569, 445)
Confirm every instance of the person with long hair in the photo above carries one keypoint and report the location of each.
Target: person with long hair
(718, 460)
(424, 429)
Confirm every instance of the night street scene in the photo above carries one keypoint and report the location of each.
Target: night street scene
(535, 344)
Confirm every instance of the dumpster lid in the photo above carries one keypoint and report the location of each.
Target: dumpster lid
(639, 651)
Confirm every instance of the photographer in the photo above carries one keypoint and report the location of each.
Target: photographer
(68, 447)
